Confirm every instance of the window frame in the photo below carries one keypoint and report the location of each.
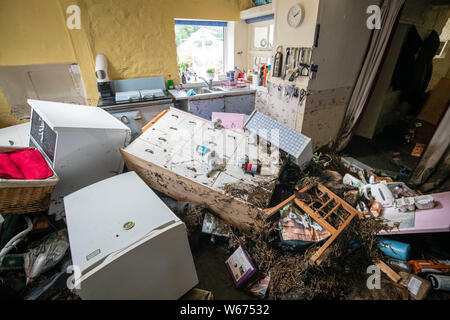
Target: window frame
(228, 40)
(259, 53)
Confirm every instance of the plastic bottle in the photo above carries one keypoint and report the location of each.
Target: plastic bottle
(170, 85)
(214, 162)
(202, 150)
(376, 209)
(352, 181)
(266, 70)
(394, 249)
(261, 75)
(251, 168)
(399, 264)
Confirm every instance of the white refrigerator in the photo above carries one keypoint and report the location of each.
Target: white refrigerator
(126, 243)
(81, 143)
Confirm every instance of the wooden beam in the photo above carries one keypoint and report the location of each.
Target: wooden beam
(154, 120)
(394, 276)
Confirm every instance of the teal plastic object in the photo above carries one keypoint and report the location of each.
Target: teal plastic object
(190, 93)
(394, 249)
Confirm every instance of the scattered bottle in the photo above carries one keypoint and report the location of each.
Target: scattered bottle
(170, 84)
(376, 209)
(399, 264)
(202, 150)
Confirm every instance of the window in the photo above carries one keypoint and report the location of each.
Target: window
(263, 36)
(260, 42)
(201, 45)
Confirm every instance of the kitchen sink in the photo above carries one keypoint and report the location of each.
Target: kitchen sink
(204, 90)
(217, 89)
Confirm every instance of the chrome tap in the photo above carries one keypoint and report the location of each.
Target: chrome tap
(209, 83)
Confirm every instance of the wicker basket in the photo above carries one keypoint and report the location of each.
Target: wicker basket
(25, 196)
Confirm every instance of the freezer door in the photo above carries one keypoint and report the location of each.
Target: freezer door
(110, 215)
(159, 267)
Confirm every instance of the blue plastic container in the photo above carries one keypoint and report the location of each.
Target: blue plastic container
(394, 249)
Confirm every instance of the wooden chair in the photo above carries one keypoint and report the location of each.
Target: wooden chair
(322, 206)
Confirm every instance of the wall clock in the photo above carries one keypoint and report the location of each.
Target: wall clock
(295, 15)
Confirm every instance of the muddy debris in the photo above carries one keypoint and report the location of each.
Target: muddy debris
(255, 195)
(293, 276)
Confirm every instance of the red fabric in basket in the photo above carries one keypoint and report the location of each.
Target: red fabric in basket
(8, 170)
(32, 164)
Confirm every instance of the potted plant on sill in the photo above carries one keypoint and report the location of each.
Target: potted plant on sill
(210, 73)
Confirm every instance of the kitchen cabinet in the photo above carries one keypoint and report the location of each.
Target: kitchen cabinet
(240, 104)
(233, 104)
(204, 107)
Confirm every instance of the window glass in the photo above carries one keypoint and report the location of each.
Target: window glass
(260, 37)
(271, 32)
(199, 48)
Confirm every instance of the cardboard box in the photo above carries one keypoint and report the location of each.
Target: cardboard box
(418, 287)
(240, 266)
(214, 226)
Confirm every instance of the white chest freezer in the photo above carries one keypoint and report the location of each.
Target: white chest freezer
(80, 142)
(127, 243)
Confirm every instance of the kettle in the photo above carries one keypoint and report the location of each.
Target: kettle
(379, 191)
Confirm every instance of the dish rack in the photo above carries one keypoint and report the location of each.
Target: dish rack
(230, 84)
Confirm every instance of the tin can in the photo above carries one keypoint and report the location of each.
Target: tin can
(251, 168)
(439, 282)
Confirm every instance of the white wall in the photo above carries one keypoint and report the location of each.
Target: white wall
(383, 98)
(342, 43)
(240, 44)
(303, 36)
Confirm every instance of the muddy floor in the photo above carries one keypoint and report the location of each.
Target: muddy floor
(213, 276)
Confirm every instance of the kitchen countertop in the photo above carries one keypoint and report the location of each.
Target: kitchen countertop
(181, 94)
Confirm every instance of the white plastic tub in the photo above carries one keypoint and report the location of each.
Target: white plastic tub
(424, 202)
(405, 204)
